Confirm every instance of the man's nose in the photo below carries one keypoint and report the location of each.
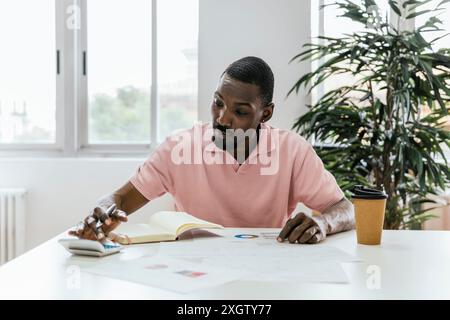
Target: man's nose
(224, 118)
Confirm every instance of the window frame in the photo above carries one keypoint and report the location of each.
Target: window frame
(82, 144)
(57, 145)
(71, 115)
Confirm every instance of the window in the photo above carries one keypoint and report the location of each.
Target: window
(336, 26)
(96, 76)
(443, 42)
(327, 22)
(140, 81)
(118, 71)
(28, 72)
(177, 67)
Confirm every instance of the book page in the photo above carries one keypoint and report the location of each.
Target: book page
(178, 222)
(143, 232)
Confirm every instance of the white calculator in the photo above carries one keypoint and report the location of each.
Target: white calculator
(90, 247)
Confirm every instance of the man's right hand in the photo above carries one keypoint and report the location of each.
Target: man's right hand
(99, 224)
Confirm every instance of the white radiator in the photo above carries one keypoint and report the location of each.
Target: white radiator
(12, 223)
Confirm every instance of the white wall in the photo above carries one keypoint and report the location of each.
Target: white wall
(62, 191)
(273, 30)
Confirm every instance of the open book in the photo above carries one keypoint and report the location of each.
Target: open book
(162, 226)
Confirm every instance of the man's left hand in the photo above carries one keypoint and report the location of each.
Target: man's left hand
(304, 229)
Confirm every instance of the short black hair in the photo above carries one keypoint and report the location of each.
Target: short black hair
(256, 71)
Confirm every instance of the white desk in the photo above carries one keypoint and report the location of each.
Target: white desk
(413, 265)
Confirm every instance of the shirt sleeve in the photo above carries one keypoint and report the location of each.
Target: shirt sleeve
(314, 186)
(152, 179)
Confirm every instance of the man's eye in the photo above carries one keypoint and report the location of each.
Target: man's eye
(218, 103)
(240, 113)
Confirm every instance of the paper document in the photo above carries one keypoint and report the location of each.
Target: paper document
(267, 260)
(307, 253)
(282, 269)
(166, 273)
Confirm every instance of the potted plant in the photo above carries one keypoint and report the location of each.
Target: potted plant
(387, 127)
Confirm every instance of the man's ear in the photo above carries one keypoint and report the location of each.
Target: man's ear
(267, 112)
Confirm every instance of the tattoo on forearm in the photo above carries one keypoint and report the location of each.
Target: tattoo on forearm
(339, 217)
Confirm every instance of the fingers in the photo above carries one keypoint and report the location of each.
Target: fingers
(77, 231)
(105, 216)
(101, 215)
(316, 238)
(120, 238)
(113, 213)
(308, 234)
(290, 225)
(82, 231)
(119, 215)
(97, 225)
(91, 222)
(104, 219)
(111, 209)
(299, 230)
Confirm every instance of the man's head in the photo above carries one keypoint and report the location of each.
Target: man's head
(243, 98)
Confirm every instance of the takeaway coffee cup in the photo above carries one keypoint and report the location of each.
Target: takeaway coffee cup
(370, 205)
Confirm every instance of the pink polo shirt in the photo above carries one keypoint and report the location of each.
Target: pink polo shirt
(208, 182)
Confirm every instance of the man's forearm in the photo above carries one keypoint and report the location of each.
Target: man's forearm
(106, 201)
(126, 199)
(339, 217)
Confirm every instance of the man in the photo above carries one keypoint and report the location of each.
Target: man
(227, 184)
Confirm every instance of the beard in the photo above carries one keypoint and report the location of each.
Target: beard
(238, 143)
